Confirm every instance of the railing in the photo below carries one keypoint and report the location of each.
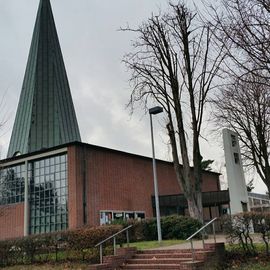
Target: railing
(203, 234)
(100, 244)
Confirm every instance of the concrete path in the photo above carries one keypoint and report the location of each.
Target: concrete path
(196, 243)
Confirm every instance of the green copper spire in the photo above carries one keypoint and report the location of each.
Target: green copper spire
(45, 116)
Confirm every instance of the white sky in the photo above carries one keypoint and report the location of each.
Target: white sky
(92, 49)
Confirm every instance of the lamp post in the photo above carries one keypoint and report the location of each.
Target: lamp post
(155, 110)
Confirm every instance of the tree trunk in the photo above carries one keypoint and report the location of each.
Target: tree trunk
(195, 208)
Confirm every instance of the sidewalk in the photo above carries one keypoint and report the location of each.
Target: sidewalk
(196, 243)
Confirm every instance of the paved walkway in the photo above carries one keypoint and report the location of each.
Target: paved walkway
(196, 243)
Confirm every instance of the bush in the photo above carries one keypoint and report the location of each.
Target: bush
(173, 227)
(239, 228)
(179, 227)
(73, 244)
(82, 240)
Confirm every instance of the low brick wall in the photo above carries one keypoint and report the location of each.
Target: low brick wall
(214, 261)
(113, 262)
(219, 248)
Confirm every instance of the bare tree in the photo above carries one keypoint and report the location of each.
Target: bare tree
(243, 28)
(244, 106)
(173, 64)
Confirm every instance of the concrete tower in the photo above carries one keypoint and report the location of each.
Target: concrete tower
(235, 174)
(45, 115)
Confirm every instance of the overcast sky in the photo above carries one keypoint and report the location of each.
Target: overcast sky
(92, 49)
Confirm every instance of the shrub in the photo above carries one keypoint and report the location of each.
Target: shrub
(179, 227)
(39, 248)
(6, 252)
(261, 223)
(173, 227)
(239, 228)
(82, 240)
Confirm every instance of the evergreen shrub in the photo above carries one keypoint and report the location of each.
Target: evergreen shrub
(173, 227)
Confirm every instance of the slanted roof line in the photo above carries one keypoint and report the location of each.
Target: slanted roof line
(45, 115)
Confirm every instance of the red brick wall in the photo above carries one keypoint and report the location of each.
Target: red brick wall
(75, 187)
(118, 181)
(11, 221)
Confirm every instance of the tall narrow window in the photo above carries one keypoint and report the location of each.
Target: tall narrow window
(236, 158)
(49, 195)
(234, 142)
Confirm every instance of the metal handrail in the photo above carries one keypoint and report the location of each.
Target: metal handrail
(203, 227)
(198, 231)
(114, 242)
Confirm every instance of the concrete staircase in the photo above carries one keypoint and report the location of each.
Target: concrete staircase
(168, 259)
(181, 258)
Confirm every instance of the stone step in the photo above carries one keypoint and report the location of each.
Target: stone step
(187, 265)
(160, 251)
(151, 266)
(158, 261)
(172, 255)
(162, 256)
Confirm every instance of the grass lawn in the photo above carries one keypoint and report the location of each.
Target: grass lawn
(154, 244)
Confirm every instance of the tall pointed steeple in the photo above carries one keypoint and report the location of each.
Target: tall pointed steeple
(45, 115)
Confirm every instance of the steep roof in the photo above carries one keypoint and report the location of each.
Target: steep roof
(45, 115)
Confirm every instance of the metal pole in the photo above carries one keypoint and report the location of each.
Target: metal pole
(100, 254)
(192, 249)
(127, 238)
(214, 232)
(26, 201)
(155, 183)
(203, 233)
(114, 246)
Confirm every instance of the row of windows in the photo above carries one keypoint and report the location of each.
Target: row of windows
(11, 191)
(49, 195)
(40, 211)
(48, 228)
(12, 179)
(49, 220)
(50, 161)
(50, 170)
(48, 188)
(11, 199)
(52, 193)
(14, 170)
(50, 185)
(12, 184)
(44, 201)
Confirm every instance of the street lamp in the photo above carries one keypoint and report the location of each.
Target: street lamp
(155, 110)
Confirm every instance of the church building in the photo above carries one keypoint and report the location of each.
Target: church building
(51, 181)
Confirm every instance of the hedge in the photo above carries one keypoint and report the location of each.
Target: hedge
(80, 244)
(173, 227)
(67, 245)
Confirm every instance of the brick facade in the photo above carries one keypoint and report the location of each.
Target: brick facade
(118, 181)
(11, 221)
(101, 179)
